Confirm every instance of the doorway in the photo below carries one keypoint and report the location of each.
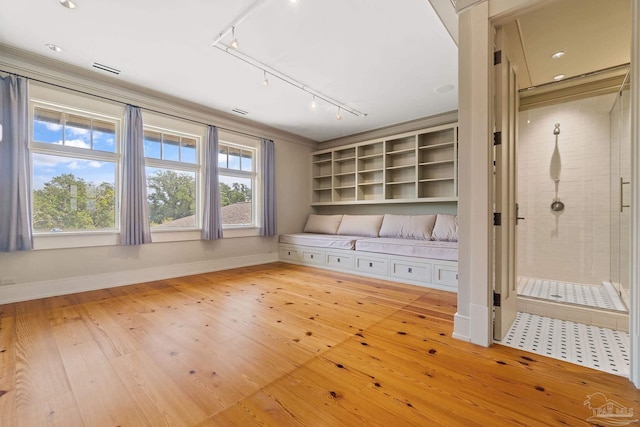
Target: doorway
(571, 253)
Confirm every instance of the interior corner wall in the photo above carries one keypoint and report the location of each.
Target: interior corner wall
(571, 245)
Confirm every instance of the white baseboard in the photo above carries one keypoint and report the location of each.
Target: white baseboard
(461, 327)
(70, 285)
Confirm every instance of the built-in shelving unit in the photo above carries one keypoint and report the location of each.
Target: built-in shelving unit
(420, 166)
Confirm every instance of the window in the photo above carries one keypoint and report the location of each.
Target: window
(237, 176)
(76, 158)
(173, 176)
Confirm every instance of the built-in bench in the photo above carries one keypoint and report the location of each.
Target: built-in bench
(416, 249)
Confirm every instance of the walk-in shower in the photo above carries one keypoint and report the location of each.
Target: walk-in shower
(573, 162)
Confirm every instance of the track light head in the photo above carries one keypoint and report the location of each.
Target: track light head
(234, 41)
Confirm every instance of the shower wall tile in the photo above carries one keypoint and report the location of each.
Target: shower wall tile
(572, 245)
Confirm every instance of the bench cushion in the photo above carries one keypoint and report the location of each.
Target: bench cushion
(447, 251)
(320, 240)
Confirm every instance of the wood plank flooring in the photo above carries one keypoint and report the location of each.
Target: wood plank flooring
(276, 345)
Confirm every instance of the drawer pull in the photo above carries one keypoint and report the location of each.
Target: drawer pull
(370, 264)
(410, 270)
(289, 253)
(338, 259)
(311, 256)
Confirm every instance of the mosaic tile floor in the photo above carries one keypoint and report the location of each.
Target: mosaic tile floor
(591, 346)
(602, 296)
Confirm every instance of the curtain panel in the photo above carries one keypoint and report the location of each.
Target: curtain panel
(212, 214)
(268, 156)
(16, 233)
(134, 223)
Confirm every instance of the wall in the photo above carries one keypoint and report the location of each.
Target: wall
(41, 273)
(572, 245)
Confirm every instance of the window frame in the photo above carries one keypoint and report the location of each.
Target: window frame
(195, 167)
(235, 140)
(52, 99)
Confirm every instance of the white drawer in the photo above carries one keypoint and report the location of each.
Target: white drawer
(287, 254)
(313, 257)
(445, 275)
(343, 261)
(372, 265)
(412, 271)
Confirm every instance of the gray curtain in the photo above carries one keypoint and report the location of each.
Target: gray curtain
(15, 171)
(134, 224)
(268, 156)
(212, 215)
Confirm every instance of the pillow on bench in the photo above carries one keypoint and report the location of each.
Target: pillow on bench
(446, 228)
(323, 224)
(360, 225)
(418, 227)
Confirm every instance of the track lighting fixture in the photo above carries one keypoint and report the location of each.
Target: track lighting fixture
(234, 40)
(233, 51)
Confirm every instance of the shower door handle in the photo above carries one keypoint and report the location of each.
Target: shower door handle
(622, 184)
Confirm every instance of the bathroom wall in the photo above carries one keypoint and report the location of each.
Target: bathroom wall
(574, 244)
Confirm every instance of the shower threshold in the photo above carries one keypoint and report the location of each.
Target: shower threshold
(602, 296)
(588, 304)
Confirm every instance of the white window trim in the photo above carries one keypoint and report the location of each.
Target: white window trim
(248, 144)
(47, 97)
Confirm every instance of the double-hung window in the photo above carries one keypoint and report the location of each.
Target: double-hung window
(75, 160)
(238, 185)
(173, 178)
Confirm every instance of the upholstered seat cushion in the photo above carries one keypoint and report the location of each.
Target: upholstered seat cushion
(447, 251)
(320, 240)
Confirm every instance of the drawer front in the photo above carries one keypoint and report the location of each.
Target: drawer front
(340, 261)
(412, 271)
(372, 265)
(445, 275)
(289, 254)
(313, 257)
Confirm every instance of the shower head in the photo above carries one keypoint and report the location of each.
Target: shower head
(556, 130)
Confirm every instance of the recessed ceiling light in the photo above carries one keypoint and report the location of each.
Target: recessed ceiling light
(558, 54)
(53, 47)
(444, 89)
(68, 4)
(558, 77)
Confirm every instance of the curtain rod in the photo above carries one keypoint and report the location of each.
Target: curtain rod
(125, 103)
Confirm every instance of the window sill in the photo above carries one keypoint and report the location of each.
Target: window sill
(110, 238)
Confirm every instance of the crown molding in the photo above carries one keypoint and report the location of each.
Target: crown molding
(66, 76)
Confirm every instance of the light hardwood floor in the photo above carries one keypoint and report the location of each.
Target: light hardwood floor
(274, 345)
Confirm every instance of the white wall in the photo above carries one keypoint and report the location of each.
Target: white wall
(572, 245)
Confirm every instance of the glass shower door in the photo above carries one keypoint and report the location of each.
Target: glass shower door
(621, 193)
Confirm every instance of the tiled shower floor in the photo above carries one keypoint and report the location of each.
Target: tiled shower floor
(591, 346)
(600, 296)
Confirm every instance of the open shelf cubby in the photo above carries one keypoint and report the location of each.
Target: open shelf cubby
(418, 166)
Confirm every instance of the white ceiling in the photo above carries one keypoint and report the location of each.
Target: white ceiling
(384, 58)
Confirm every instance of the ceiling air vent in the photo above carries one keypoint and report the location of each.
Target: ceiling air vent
(106, 68)
(239, 111)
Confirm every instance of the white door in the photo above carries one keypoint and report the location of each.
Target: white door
(505, 186)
